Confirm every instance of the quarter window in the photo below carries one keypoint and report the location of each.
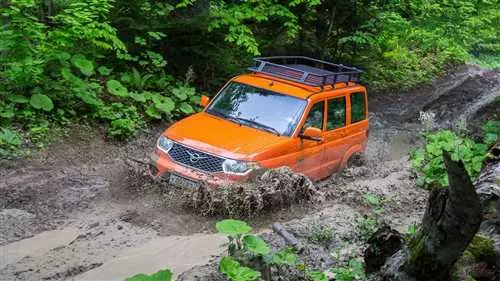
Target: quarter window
(358, 112)
(336, 113)
(315, 117)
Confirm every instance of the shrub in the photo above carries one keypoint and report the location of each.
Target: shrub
(491, 132)
(10, 143)
(321, 234)
(429, 164)
(162, 275)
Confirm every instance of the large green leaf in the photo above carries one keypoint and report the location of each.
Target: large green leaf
(233, 227)
(83, 64)
(104, 71)
(256, 245)
(40, 101)
(162, 275)
(166, 106)
(89, 98)
(18, 99)
(235, 272)
(75, 81)
(9, 137)
(7, 113)
(180, 93)
(153, 112)
(137, 97)
(186, 108)
(284, 256)
(63, 56)
(116, 88)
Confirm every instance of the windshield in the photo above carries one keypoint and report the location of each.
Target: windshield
(258, 108)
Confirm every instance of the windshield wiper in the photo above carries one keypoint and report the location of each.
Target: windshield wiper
(217, 113)
(253, 123)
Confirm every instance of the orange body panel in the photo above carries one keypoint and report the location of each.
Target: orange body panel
(217, 136)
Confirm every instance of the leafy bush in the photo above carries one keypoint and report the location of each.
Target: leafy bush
(162, 275)
(57, 66)
(235, 272)
(321, 234)
(366, 225)
(428, 161)
(249, 252)
(10, 142)
(491, 132)
(354, 271)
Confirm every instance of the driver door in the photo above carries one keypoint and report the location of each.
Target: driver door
(310, 154)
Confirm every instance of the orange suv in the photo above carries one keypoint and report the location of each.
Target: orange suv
(307, 114)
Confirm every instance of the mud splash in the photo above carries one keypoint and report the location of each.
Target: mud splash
(274, 189)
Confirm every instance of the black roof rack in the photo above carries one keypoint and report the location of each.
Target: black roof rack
(306, 70)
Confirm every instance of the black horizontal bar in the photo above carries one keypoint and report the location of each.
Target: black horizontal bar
(351, 73)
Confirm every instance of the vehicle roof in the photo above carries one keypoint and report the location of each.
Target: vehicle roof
(283, 86)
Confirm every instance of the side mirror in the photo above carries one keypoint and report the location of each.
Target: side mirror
(311, 133)
(204, 101)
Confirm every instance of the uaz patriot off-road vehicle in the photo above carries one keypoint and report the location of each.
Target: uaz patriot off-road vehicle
(307, 114)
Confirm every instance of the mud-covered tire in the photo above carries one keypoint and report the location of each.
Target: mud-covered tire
(355, 160)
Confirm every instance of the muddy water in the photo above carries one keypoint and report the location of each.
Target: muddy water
(83, 184)
(173, 252)
(36, 246)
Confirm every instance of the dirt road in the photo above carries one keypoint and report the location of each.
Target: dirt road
(97, 212)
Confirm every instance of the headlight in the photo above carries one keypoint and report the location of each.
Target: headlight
(164, 144)
(231, 166)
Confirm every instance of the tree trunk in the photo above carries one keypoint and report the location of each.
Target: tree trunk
(451, 220)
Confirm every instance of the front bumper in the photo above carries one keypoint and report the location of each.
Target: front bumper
(162, 166)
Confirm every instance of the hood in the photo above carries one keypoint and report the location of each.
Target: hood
(222, 137)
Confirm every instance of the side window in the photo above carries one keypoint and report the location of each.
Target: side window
(315, 117)
(336, 113)
(358, 107)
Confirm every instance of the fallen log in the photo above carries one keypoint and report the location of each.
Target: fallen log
(288, 237)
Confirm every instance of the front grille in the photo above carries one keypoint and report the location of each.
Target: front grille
(196, 159)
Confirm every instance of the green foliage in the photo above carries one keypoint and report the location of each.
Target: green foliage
(481, 249)
(72, 61)
(116, 88)
(249, 250)
(235, 272)
(317, 276)
(354, 271)
(10, 143)
(491, 132)
(285, 256)
(256, 245)
(321, 234)
(40, 101)
(235, 17)
(429, 163)
(162, 275)
(366, 225)
(233, 228)
(372, 200)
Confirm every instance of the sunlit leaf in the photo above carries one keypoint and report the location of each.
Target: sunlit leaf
(256, 245)
(40, 101)
(116, 88)
(83, 64)
(233, 227)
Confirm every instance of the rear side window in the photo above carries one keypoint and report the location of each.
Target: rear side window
(315, 117)
(336, 113)
(358, 112)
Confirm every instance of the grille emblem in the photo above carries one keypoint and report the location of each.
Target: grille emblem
(195, 157)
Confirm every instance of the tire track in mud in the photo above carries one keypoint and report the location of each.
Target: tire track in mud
(84, 183)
